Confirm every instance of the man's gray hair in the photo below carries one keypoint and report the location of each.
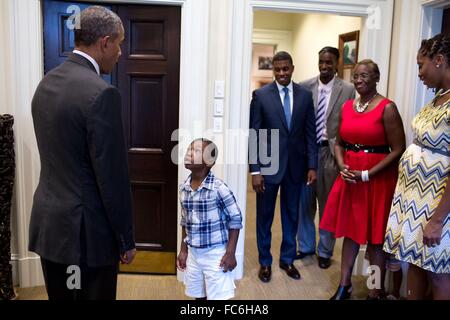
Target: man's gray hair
(96, 22)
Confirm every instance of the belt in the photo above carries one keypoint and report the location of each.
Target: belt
(323, 143)
(368, 149)
(440, 151)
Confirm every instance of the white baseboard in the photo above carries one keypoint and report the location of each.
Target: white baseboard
(27, 272)
(15, 269)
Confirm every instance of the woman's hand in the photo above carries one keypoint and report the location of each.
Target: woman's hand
(347, 174)
(432, 233)
(357, 174)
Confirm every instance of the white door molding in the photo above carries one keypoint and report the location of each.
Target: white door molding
(419, 19)
(375, 44)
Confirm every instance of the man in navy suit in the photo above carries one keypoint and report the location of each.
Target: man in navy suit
(283, 153)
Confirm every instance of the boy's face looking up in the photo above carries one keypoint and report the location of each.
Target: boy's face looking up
(199, 155)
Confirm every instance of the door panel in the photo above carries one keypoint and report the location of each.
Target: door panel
(59, 41)
(148, 79)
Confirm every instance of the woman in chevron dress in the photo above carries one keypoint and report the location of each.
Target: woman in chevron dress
(418, 230)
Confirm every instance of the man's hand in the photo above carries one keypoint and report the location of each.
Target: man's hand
(312, 177)
(228, 262)
(258, 183)
(181, 260)
(128, 256)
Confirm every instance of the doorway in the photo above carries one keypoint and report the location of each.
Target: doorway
(147, 76)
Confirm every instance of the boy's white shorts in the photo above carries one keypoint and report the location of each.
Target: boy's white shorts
(203, 276)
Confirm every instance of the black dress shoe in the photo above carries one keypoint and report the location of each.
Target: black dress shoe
(301, 255)
(342, 293)
(324, 263)
(291, 271)
(265, 273)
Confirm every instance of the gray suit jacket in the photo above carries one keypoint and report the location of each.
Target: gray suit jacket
(82, 205)
(341, 92)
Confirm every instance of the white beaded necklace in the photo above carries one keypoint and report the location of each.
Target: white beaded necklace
(363, 108)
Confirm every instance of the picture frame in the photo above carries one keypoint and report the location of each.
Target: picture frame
(348, 54)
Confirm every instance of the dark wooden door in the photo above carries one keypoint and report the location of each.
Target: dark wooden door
(446, 22)
(147, 76)
(58, 38)
(148, 79)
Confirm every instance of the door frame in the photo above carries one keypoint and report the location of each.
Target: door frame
(375, 43)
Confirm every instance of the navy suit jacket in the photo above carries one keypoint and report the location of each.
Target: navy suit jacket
(297, 146)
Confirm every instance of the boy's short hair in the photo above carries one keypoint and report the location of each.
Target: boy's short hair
(212, 148)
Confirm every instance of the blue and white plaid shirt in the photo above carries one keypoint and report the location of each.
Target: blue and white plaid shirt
(208, 213)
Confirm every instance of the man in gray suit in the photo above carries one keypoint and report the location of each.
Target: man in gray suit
(81, 220)
(329, 94)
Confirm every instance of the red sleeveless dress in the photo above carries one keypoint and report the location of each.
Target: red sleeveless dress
(360, 211)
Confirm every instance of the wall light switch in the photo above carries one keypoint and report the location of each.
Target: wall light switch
(217, 124)
(218, 107)
(219, 89)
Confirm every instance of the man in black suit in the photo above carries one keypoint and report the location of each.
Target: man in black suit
(286, 111)
(81, 222)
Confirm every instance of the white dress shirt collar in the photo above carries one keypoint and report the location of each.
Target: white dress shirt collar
(328, 87)
(280, 87)
(91, 60)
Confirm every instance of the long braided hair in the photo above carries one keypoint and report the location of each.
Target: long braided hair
(439, 44)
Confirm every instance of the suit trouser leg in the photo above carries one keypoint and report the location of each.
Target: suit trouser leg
(306, 232)
(290, 198)
(95, 283)
(99, 283)
(55, 277)
(265, 210)
(328, 172)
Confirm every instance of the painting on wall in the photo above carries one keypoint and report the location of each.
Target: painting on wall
(265, 63)
(262, 64)
(348, 50)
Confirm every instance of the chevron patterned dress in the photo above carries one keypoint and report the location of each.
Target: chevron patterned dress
(423, 177)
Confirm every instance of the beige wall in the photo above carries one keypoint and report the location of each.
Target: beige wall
(273, 20)
(310, 33)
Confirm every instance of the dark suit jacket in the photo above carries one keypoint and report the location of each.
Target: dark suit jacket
(84, 171)
(297, 146)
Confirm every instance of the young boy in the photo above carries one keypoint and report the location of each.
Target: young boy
(211, 221)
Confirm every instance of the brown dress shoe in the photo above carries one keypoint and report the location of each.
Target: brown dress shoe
(265, 273)
(291, 270)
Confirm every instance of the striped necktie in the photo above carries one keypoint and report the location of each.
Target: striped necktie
(320, 115)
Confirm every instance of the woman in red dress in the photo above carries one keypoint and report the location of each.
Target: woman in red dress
(370, 143)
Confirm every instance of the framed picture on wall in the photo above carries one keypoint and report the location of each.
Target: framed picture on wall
(348, 50)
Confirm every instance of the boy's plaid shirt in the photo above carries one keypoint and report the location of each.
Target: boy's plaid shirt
(208, 213)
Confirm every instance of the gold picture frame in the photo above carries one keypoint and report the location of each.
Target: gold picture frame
(348, 54)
